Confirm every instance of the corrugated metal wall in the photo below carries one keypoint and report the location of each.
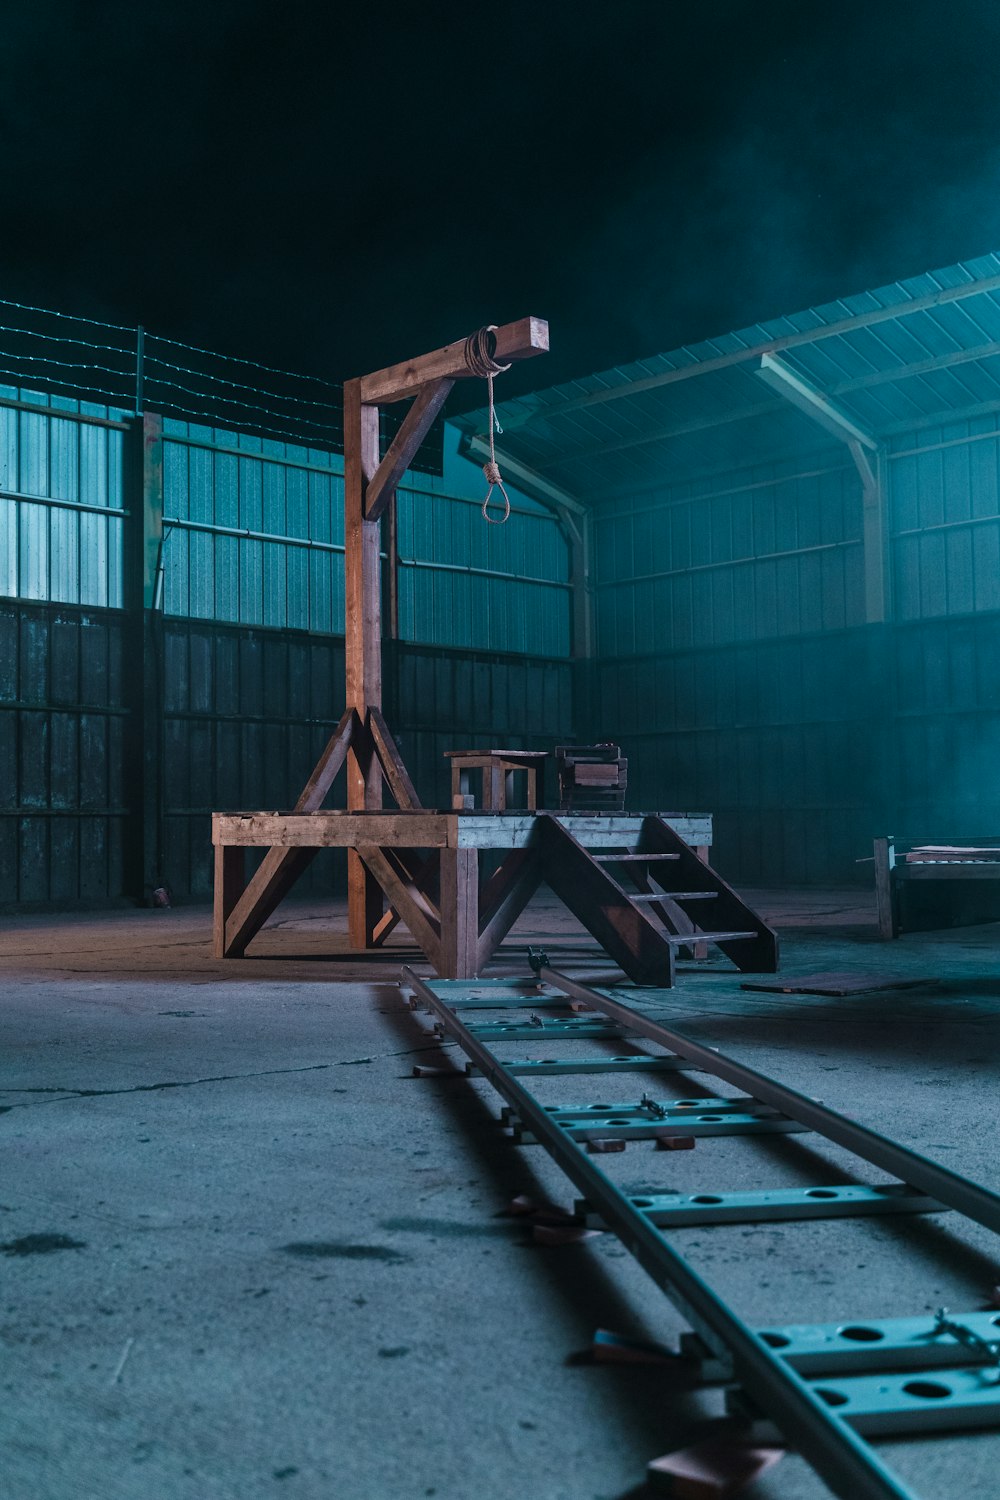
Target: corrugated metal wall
(248, 712)
(71, 550)
(770, 552)
(248, 650)
(64, 796)
(462, 582)
(289, 572)
(945, 487)
(737, 670)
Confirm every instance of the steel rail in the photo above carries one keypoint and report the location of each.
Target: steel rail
(940, 1182)
(842, 1458)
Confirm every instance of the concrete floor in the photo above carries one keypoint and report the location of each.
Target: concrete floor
(282, 1270)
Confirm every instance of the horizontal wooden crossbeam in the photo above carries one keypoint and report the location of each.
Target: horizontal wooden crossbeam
(520, 340)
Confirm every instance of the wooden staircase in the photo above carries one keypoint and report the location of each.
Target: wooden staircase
(644, 903)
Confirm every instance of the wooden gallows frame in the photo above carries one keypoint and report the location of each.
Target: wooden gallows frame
(362, 738)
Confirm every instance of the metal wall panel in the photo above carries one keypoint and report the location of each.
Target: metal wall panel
(745, 683)
(248, 712)
(465, 582)
(462, 581)
(782, 741)
(63, 723)
(218, 486)
(945, 509)
(764, 554)
(52, 465)
(947, 701)
(741, 681)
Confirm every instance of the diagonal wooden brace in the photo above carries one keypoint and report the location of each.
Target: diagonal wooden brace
(401, 451)
(504, 898)
(280, 867)
(405, 896)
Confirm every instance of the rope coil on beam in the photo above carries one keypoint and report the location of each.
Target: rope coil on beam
(480, 359)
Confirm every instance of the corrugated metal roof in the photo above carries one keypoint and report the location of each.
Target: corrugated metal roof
(913, 354)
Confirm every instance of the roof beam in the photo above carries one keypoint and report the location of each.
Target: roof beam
(916, 367)
(664, 434)
(868, 319)
(868, 460)
(942, 418)
(814, 403)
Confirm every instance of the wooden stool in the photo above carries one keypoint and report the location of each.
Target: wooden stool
(498, 768)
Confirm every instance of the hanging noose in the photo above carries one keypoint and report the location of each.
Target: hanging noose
(480, 349)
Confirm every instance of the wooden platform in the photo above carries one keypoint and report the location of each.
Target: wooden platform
(427, 863)
(428, 828)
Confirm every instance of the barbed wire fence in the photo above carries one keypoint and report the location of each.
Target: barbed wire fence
(131, 369)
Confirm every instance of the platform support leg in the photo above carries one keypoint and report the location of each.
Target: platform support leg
(459, 913)
(230, 878)
(886, 897)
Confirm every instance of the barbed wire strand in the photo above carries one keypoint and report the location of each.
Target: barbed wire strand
(55, 338)
(67, 364)
(246, 405)
(70, 317)
(154, 359)
(236, 359)
(115, 398)
(302, 441)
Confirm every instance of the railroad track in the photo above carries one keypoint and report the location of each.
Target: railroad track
(826, 1388)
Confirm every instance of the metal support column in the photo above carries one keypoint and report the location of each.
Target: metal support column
(144, 549)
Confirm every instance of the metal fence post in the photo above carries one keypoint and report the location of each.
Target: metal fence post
(145, 655)
(140, 367)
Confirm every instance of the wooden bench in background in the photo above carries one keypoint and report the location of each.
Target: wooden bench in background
(926, 873)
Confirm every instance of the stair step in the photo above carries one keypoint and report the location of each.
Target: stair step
(688, 939)
(674, 896)
(620, 859)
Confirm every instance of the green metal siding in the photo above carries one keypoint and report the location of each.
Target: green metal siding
(252, 666)
(52, 468)
(738, 672)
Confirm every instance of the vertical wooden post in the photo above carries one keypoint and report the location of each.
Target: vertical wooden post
(886, 897)
(392, 567)
(459, 913)
(230, 879)
(363, 645)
